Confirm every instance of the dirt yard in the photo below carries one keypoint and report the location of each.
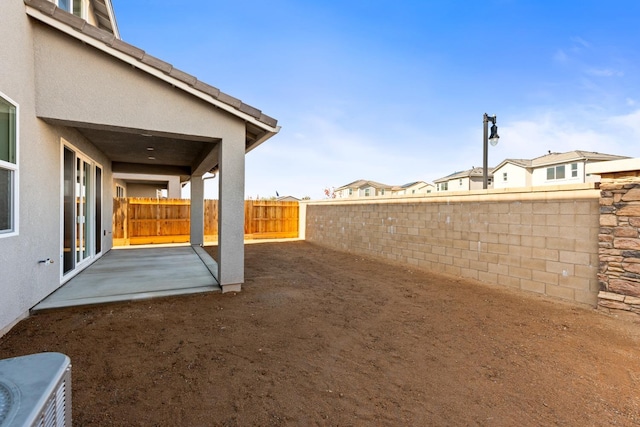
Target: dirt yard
(319, 337)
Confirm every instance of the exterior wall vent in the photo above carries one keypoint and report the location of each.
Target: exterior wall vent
(35, 390)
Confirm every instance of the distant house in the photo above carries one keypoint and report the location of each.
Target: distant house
(362, 188)
(418, 187)
(471, 179)
(550, 169)
(141, 185)
(513, 173)
(287, 199)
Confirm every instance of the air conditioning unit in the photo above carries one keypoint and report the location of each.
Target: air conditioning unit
(35, 390)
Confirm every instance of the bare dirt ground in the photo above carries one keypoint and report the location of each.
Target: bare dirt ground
(319, 337)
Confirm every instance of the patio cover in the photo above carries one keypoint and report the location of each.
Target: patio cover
(126, 102)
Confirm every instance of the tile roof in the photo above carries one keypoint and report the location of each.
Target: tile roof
(363, 183)
(554, 158)
(525, 163)
(109, 39)
(410, 184)
(469, 173)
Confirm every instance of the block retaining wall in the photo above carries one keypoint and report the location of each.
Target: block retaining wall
(542, 241)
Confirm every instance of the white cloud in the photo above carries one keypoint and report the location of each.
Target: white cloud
(326, 155)
(560, 56)
(582, 43)
(604, 72)
(572, 130)
(628, 123)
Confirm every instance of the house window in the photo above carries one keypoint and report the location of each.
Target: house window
(119, 191)
(382, 192)
(556, 172)
(351, 191)
(504, 176)
(460, 182)
(8, 166)
(367, 192)
(444, 186)
(77, 7)
(574, 170)
(489, 181)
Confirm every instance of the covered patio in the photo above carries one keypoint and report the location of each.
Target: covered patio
(127, 274)
(147, 119)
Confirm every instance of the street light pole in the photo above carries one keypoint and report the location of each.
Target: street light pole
(493, 139)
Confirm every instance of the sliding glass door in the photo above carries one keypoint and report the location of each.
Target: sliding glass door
(82, 202)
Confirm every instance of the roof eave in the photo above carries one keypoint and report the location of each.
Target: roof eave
(176, 77)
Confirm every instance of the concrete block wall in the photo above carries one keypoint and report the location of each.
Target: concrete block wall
(543, 240)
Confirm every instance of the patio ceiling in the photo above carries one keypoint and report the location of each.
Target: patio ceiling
(150, 152)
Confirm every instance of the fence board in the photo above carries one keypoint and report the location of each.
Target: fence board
(147, 220)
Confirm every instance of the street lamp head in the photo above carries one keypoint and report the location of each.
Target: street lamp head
(493, 138)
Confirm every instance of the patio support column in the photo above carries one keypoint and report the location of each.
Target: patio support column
(231, 212)
(197, 210)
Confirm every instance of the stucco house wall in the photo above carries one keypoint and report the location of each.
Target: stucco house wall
(539, 175)
(471, 179)
(517, 176)
(24, 278)
(459, 184)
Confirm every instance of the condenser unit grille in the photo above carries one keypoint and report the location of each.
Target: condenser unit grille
(53, 414)
(6, 403)
(35, 390)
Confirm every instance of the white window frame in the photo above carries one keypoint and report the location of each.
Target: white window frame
(574, 170)
(92, 255)
(120, 193)
(555, 170)
(505, 176)
(84, 12)
(15, 168)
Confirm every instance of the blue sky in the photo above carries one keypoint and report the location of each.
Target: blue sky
(395, 91)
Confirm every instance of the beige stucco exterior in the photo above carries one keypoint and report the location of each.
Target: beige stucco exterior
(516, 176)
(79, 87)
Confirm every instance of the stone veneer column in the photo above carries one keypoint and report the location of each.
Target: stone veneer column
(619, 242)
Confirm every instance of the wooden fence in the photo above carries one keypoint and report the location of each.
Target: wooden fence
(138, 221)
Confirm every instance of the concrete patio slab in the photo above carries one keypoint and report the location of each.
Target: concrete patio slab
(140, 273)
